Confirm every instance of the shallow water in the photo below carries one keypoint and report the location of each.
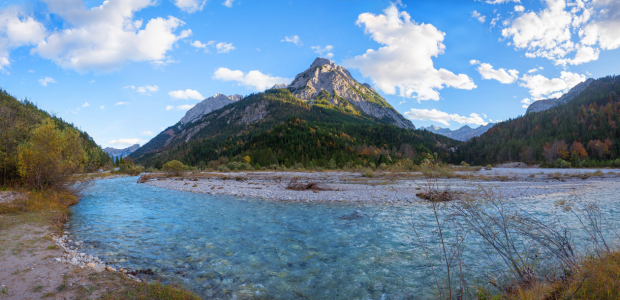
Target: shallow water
(230, 247)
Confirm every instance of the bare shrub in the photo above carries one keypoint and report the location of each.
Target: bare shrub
(294, 185)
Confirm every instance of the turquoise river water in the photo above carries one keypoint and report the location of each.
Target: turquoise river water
(231, 248)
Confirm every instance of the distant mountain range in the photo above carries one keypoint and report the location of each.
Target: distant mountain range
(542, 105)
(462, 134)
(113, 152)
(323, 115)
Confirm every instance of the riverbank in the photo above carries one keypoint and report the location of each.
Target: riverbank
(36, 261)
(387, 188)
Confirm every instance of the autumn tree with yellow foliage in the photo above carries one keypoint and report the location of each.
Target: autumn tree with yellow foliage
(50, 156)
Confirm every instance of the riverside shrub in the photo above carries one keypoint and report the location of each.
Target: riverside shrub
(174, 168)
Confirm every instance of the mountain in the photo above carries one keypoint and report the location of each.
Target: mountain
(208, 105)
(585, 130)
(462, 134)
(113, 152)
(325, 76)
(542, 105)
(322, 116)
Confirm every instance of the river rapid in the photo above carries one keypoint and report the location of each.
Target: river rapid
(238, 248)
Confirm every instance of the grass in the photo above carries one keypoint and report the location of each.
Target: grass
(597, 278)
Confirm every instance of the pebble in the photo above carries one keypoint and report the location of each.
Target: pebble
(83, 260)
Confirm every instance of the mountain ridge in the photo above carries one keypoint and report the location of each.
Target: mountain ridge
(545, 104)
(324, 117)
(114, 152)
(462, 134)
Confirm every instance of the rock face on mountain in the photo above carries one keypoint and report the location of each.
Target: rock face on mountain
(464, 133)
(542, 105)
(113, 152)
(324, 75)
(279, 86)
(208, 105)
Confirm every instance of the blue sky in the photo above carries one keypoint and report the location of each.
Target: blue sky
(123, 70)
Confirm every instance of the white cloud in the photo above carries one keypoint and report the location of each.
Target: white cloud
(92, 81)
(476, 15)
(443, 117)
(144, 90)
(501, 1)
(180, 107)
(293, 39)
(551, 32)
(474, 62)
(198, 44)
(604, 29)
(102, 107)
(17, 30)
(405, 62)
(224, 47)
(228, 3)
(501, 75)
(526, 102)
(221, 47)
(106, 36)
(190, 6)
(544, 34)
(584, 54)
(324, 51)
(519, 8)
(126, 142)
(186, 94)
(121, 103)
(30, 71)
(253, 79)
(535, 70)
(147, 133)
(541, 87)
(46, 80)
(85, 104)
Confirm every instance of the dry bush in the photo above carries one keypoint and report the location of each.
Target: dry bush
(368, 173)
(294, 185)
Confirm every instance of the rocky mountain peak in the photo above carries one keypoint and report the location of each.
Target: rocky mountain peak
(208, 105)
(336, 85)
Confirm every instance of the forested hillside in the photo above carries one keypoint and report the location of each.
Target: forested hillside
(275, 128)
(583, 132)
(34, 145)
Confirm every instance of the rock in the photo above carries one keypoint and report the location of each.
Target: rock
(91, 265)
(279, 86)
(208, 105)
(110, 268)
(324, 75)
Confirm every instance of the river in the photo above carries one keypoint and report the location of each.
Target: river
(230, 247)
